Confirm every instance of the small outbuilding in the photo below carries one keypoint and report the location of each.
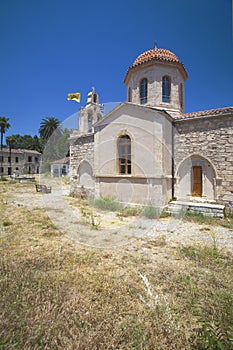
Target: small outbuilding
(60, 167)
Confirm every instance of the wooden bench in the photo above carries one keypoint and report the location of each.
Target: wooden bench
(43, 188)
(24, 179)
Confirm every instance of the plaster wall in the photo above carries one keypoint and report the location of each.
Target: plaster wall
(154, 75)
(150, 134)
(135, 190)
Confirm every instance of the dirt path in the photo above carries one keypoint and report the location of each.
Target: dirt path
(114, 231)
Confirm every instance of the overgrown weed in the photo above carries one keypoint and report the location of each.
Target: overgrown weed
(55, 294)
(227, 221)
(106, 204)
(151, 212)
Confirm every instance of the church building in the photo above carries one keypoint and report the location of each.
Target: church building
(147, 150)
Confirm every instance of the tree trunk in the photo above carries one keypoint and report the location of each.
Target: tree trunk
(1, 156)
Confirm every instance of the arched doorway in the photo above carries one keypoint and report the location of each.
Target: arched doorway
(196, 177)
(85, 173)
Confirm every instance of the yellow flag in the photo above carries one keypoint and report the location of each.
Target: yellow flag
(74, 97)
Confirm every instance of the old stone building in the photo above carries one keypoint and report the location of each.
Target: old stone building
(19, 161)
(147, 150)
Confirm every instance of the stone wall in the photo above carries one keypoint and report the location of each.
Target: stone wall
(82, 149)
(211, 138)
(21, 161)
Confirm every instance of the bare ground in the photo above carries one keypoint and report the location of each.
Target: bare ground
(111, 230)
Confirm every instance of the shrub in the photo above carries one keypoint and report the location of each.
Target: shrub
(7, 223)
(130, 211)
(200, 218)
(3, 178)
(106, 204)
(151, 212)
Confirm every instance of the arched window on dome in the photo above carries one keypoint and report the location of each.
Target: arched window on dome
(124, 155)
(181, 96)
(129, 94)
(143, 91)
(166, 89)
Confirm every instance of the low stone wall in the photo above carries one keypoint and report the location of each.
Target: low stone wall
(213, 210)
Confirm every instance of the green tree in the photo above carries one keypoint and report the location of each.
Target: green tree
(56, 148)
(4, 125)
(48, 126)
(63, 144)
(27, 142)
(11, 141)
(36, 144)
(50, 132)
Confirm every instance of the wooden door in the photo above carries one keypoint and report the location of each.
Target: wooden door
(196, 181)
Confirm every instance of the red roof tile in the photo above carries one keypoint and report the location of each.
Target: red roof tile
(16, 150)
(65, 160)
(208, 112)
(155, 54)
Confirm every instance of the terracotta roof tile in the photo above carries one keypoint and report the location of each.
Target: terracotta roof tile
(155, 54)
(65, 160)
(208, 112)
(16, 150)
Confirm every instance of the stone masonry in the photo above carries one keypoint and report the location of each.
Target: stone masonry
(211, 138)
(82, 149)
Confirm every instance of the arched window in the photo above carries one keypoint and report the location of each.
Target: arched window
(95, 98)
(143, 91)
(166, 89)
(129, 94)
(124, 154)
(181, 96)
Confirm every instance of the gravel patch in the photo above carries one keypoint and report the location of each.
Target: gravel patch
(113, 231)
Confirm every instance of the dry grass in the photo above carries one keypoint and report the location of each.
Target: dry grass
(55, 294)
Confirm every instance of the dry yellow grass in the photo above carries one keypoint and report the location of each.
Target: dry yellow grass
(56, 294)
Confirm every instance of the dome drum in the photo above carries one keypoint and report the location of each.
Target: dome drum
(155, 56)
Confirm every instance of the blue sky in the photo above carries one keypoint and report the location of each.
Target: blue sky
(50, 48)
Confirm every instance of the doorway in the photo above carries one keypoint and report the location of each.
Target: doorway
(196, 181)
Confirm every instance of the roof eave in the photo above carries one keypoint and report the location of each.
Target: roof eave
(204, 116)
(179, 65)
(135, 105)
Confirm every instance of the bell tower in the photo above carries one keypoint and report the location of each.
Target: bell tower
(90, 114)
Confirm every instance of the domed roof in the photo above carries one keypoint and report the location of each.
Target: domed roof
(153, 56)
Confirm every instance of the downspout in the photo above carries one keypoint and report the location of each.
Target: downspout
(173, 162)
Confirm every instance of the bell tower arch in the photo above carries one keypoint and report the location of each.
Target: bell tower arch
(90, 114)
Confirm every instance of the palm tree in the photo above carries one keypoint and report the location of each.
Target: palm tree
(36, 144)
(11, 141)
(50, 133)
(48, 126)
(4, 125)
